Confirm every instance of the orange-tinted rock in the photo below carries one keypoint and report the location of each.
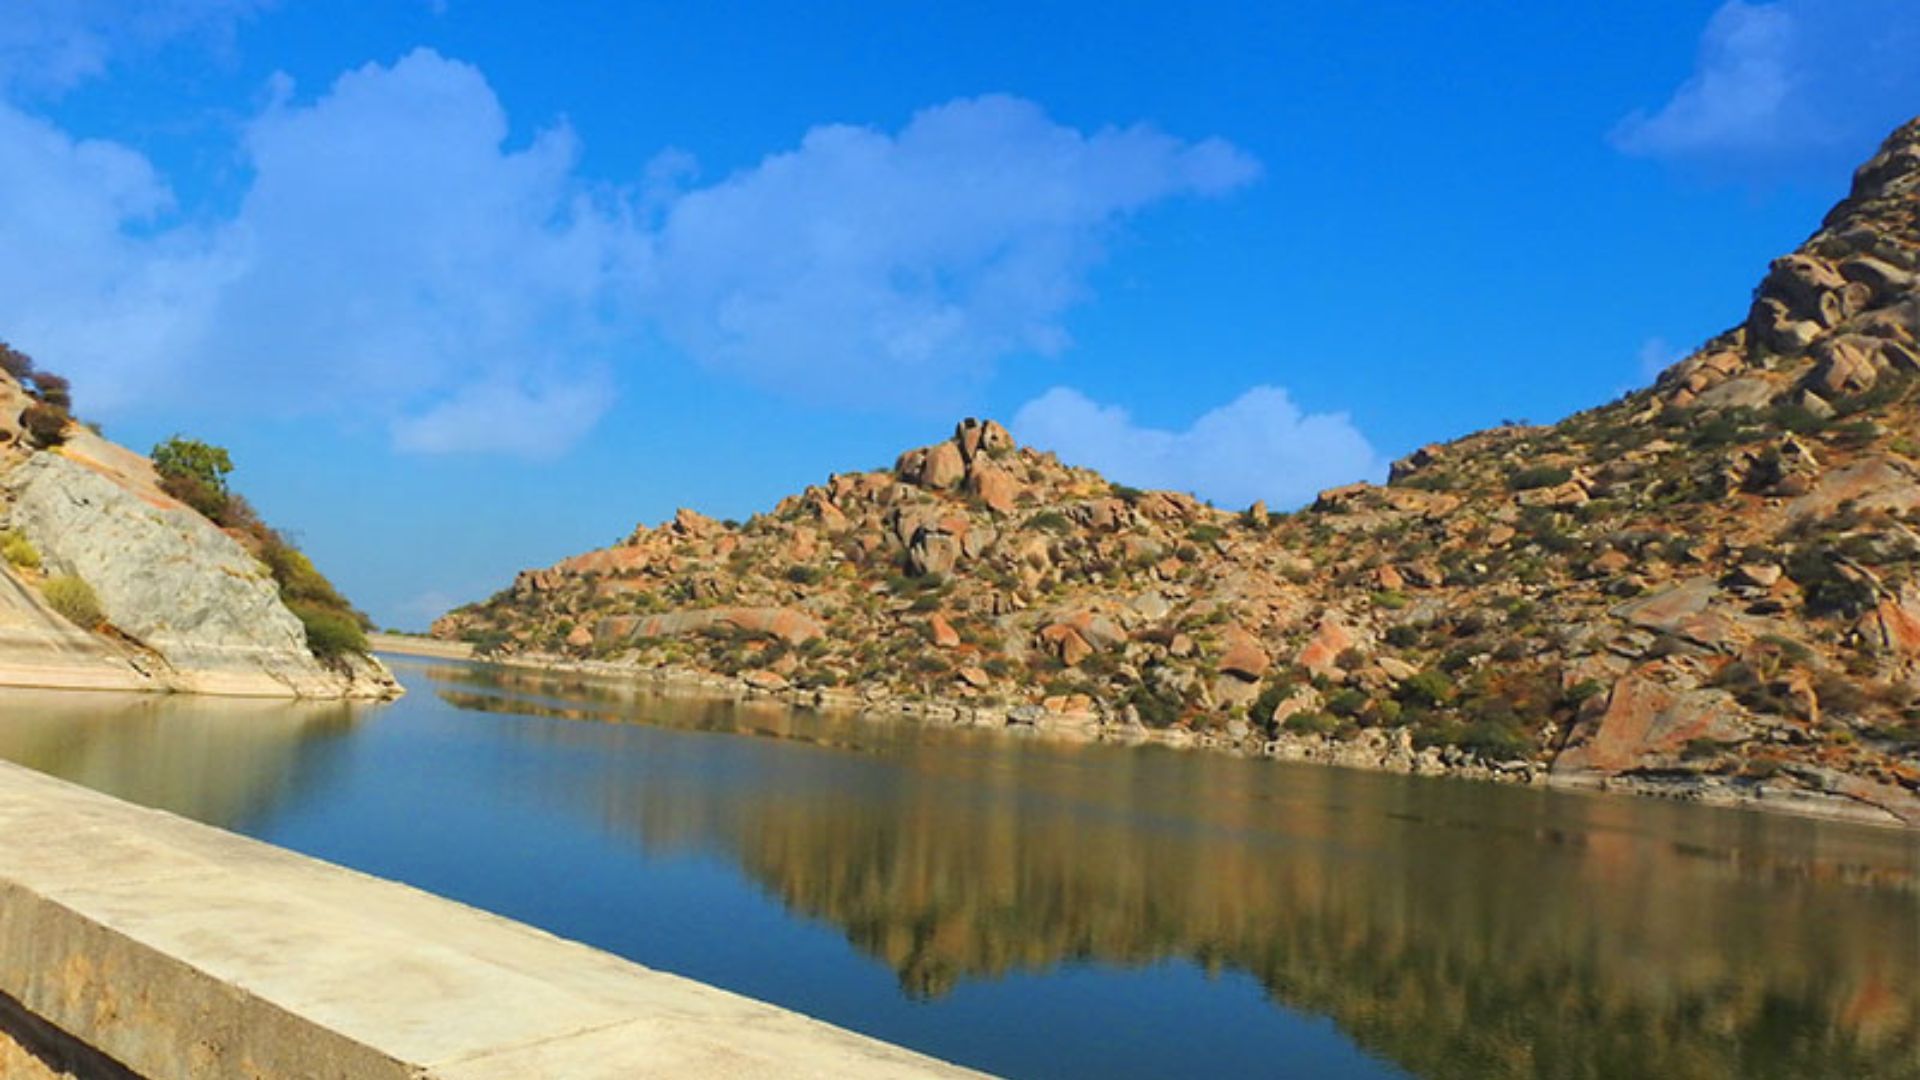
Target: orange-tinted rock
(1645, 721)
(1065, 643)
(1243, 657)
(942, 633)
(1321, 653)
(765, 680)
(788, 625)
(1894, 626)
(579, 637)
(944, 468)
(996, 489)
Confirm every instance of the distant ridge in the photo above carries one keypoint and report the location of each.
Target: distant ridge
(1706, 589)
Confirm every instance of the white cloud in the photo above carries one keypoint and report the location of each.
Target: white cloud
(1258, 446)
(534, 421)
(1788, 85)
(88, 284)
(48, 46)
(399, 257)
(877, 267)
(392, 259)
(395, 260)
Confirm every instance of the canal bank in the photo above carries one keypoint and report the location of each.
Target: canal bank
(176, 949)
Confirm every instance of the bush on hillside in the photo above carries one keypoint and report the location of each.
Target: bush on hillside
(331, 633)
(195, 473)
(45, 424)
(75, 600)
(1539, 476)
(15, 363)
(53, 389)
(19, 551)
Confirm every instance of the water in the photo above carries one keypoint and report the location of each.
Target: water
(1038, 909)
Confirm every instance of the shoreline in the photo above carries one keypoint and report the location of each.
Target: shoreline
(1376, 750)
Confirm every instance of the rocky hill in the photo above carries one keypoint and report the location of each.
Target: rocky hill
(110, 582)
(1706, 588)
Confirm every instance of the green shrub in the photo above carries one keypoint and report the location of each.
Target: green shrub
(19, 550)
(1312, 723)
(74, 599)
(330, 632)
(1496, 740)
(1346, 701)
(1427, 689)
(1539, 476)
(1050, 521)
(805, 575)
(1157, 709)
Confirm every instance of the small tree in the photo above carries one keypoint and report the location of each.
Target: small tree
(15, 363)
(53, 389)
(195, 473)
(46, 424)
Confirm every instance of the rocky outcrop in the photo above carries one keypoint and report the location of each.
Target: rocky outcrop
(187, 607)
(1707, 588)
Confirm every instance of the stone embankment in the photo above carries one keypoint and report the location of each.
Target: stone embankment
(132, 939)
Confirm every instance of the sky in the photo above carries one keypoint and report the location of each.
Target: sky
(468, 287)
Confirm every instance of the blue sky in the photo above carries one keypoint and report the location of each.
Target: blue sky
(469, 287)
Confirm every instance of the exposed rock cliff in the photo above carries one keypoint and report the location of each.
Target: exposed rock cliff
(1709, 588)
(185, 606)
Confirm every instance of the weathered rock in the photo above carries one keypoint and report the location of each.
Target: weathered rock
(792, 627)
(1243, 657)
(1321, 653)
(996, 489)
(175, 583)
(1065, 643)
(1648, 723)
(942, 633)
(933, 552)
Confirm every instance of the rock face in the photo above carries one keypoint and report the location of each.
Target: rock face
(1709, 588)
(202, 613)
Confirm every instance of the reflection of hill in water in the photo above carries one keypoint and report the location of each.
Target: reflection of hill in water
(225, 761)
(1460, 930)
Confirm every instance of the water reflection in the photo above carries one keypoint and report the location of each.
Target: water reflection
(224, 761)
(1459, 930)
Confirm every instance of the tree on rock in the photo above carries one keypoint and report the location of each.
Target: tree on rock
(195, 473)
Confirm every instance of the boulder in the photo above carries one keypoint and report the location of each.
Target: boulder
(975, 437)
(942, 633)
(1065, 643)
(1647, 724)
(944, 468)
(1321, 653)
(1243, 657)
(994, 487)
(933, 552)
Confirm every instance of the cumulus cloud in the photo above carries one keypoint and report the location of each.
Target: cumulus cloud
(397, 255)
(90, 279)
(1787, 86)
(882, 267)
(392, 259)
(395, 258)
(48, 46)
(1261, 445)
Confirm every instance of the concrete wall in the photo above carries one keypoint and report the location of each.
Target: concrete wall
(179, 950)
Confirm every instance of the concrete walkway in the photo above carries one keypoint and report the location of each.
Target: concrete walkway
(184, 951)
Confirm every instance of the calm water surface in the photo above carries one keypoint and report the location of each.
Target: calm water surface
(1036, 909)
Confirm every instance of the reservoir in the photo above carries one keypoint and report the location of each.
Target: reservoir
(1055, 909)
